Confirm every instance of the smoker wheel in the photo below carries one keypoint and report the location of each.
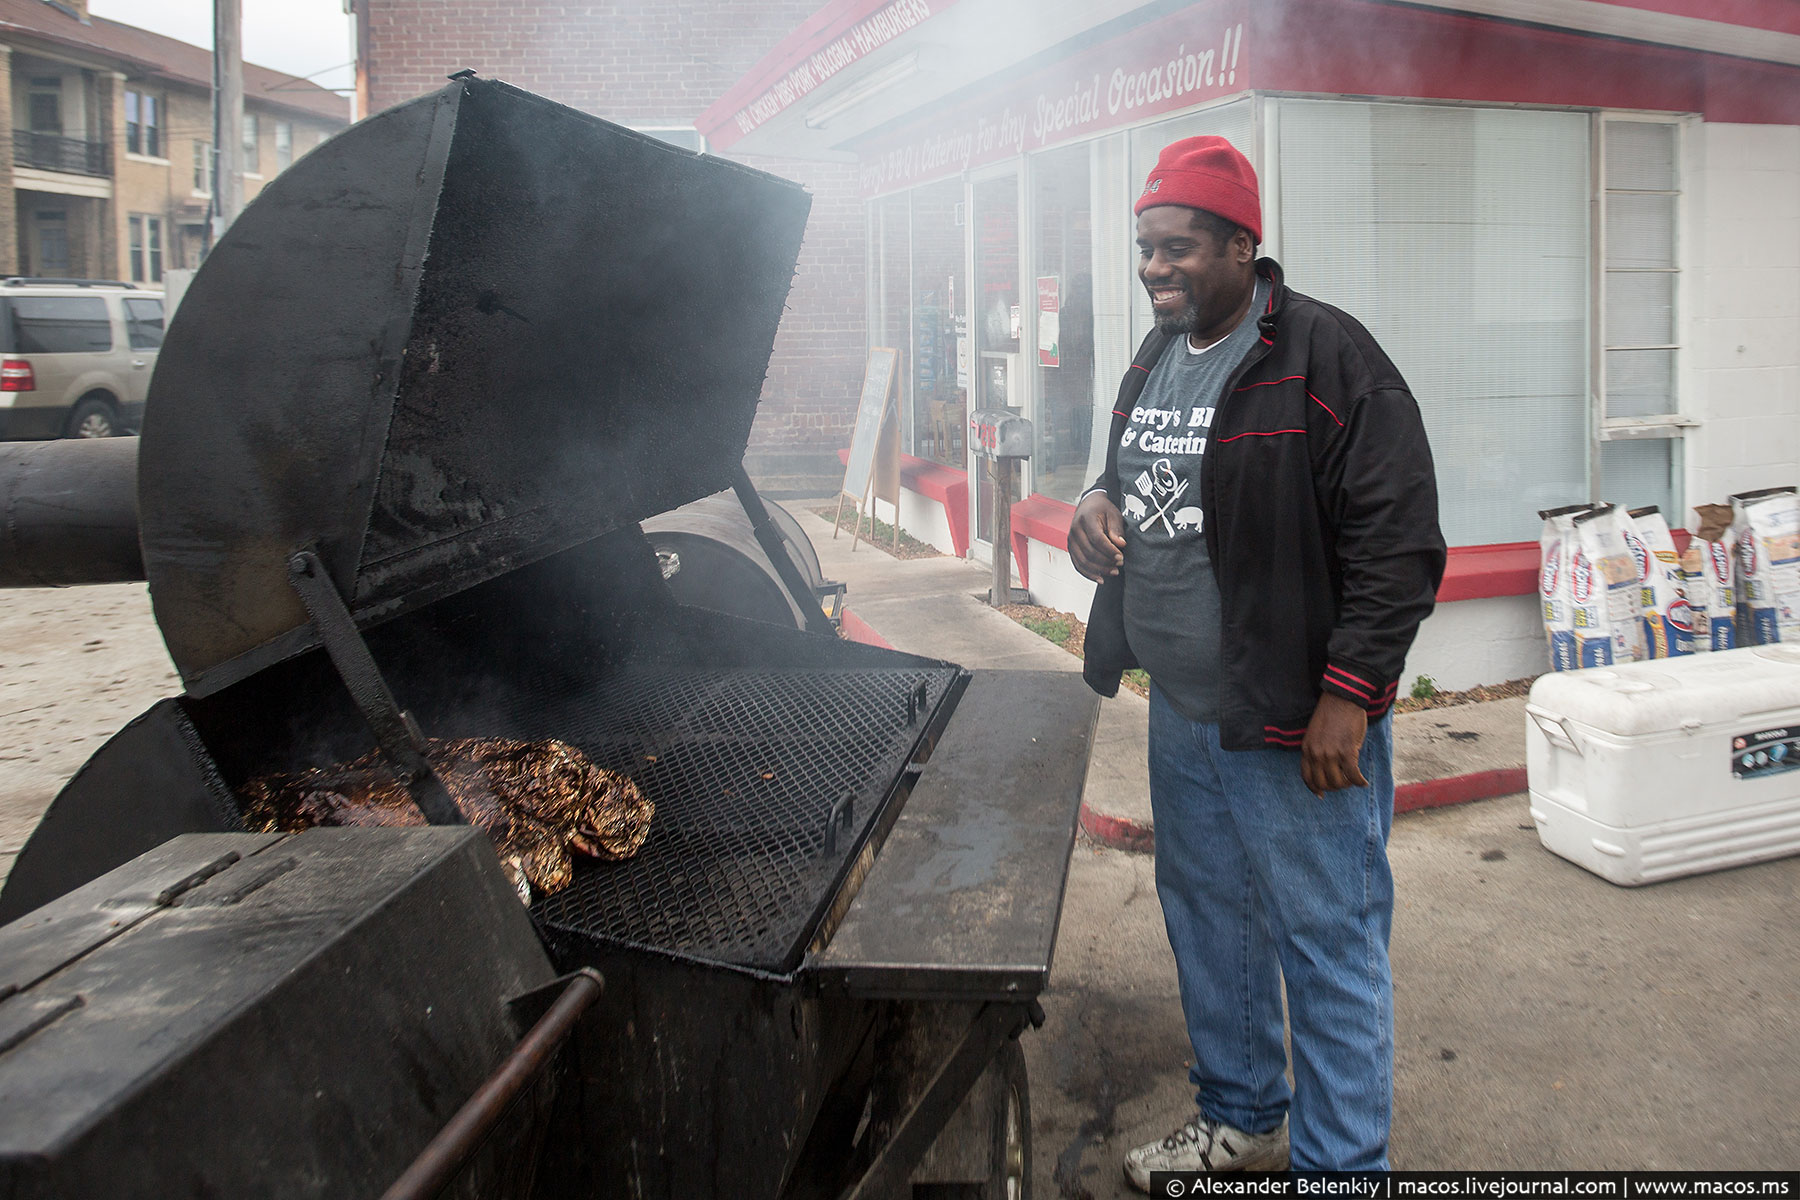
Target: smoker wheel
(1008, 1126)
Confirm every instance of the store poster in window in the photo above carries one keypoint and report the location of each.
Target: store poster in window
(1049, 312)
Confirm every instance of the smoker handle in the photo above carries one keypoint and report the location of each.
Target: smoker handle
(446, 1153)
(395, 732)
(775, 546)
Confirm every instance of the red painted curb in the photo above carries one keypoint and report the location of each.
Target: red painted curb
(1139, 837)
(1479, 785)
(858, 630)
(1121, 833)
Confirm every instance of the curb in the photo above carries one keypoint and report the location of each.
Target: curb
(858, 630)
(1459, 789)
(1121, 833)
(1139, 837)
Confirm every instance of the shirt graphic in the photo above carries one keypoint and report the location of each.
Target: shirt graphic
(1171, 598)
(1163, 499)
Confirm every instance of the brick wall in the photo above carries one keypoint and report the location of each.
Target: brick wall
(665, 63)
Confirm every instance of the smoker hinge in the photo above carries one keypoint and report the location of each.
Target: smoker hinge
(395, 731)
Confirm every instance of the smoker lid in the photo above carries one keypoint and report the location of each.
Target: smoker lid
(465, 334)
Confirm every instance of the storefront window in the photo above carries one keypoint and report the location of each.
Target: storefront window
(1230, 121)
(939, 360)
(1115, 283)
(891, 314)
(1459, 237)
(1638, 329)
(998, 314)
(1062, 221)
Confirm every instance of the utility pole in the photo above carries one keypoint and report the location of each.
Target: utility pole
(228, 114)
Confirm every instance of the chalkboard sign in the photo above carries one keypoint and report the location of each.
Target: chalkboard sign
(872, 436)
(871, 410)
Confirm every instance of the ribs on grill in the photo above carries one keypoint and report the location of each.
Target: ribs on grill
(540, 802)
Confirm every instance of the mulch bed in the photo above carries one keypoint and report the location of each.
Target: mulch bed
(1069, 632)
(1475, 695)
(883, 536)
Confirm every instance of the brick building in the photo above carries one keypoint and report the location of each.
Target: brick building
(657, 67)
(108, 163)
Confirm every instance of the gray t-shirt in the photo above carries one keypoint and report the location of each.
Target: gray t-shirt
(1171, 597)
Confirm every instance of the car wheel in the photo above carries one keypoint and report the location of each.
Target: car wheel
(93, 418)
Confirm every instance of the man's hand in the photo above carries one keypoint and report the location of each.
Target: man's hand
(1097, 538)
(1333, 740)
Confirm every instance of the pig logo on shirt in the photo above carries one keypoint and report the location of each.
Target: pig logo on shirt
(1134, 508)
(1189, 517)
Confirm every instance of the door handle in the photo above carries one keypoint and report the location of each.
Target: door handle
(137, 362)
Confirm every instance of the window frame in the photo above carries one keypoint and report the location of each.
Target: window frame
(203, 168)
(144, 247)
(1674, 424)
(284, 145)
(44, 87)
(252, 143)
(144, 124)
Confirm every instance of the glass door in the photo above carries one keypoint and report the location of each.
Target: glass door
(998, 375)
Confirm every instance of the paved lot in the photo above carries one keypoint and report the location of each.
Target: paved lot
(75, 665)
(1545, 1017)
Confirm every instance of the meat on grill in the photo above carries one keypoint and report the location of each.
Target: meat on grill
(540, 802)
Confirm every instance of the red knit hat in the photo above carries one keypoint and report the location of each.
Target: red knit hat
(1209, 173)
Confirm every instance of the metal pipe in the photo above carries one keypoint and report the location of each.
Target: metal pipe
(68, 512)
(446, 1153)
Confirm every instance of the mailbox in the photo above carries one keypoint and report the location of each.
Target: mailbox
(1000, 433)
(1003, 437)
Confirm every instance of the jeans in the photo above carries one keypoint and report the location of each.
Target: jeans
(1262, 881)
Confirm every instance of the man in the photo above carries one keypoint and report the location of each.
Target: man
(1265, 538)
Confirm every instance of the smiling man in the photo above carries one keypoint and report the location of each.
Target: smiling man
(1266, 541)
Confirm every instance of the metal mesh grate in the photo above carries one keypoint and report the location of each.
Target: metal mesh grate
(746, 768)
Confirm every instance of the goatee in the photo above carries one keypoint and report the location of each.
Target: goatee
(1180, 323)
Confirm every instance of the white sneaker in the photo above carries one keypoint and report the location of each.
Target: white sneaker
(1203, 1145)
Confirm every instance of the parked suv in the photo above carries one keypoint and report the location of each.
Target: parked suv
(75, 356)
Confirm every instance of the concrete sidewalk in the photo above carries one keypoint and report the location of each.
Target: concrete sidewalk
(1543, 1018)
(933, 607)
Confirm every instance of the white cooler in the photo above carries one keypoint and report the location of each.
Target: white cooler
(1653, 770)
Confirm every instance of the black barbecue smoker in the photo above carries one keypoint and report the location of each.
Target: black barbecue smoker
(395, 461)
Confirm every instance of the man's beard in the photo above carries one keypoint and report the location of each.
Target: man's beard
(1183, 322)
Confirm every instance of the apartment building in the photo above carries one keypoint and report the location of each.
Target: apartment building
(109, 163)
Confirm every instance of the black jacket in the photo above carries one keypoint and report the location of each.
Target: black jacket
(1320, 506)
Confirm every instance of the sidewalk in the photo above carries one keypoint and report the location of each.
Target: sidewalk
(1543, 1018)
(934, 607)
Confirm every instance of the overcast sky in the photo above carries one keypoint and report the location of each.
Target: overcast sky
(300, 37)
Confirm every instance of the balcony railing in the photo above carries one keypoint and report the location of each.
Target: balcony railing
(53, 152)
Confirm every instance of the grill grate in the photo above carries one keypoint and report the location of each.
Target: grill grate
(746, 768)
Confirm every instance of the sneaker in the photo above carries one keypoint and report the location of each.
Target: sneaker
(1203, 1145)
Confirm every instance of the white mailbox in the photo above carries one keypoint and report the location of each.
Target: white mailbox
(999, 433)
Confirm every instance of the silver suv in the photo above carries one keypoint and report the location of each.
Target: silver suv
(76, 356)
